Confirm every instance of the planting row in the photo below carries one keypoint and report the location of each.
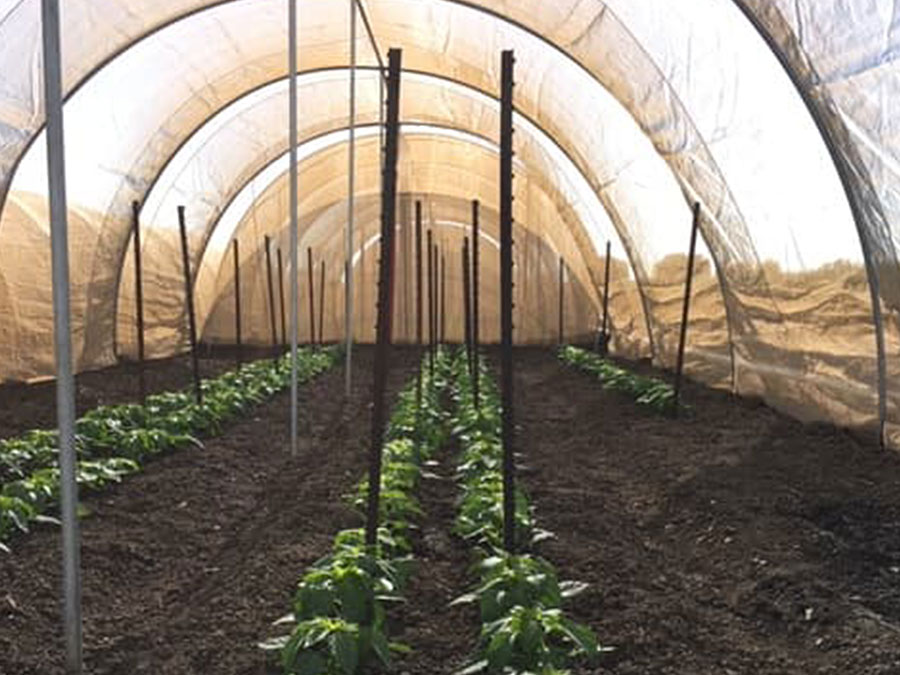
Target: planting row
(338, 616)
(112, 441)
(520, 596)
(648, 391)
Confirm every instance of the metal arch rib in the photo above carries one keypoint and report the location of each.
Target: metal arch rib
(613, 217)
(466, 3)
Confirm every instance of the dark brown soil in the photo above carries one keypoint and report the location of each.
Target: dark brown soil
(187, 564)
(733, 540)
(33, 406)
(441, 636)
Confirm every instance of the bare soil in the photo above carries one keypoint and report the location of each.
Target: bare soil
(187, 564)
(730, 541)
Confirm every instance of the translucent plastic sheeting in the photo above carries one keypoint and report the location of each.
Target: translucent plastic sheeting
(620, 148)
(844, 57)
(221, 160)
(689, 74)
(537, 296)
(461, 170)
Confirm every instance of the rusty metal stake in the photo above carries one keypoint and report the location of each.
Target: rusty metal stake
(685, 313)
(139, 297)
(237, 305)
(189, 297)
(506, 300)
(385, 288)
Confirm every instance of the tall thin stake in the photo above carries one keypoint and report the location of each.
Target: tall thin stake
(685, 313)
(442, 331)
(432, 338)
(562, 301)
(281, 298)
(312, 296)
(322, 302)
(238, 338)
(65, 379)
(604, 349)
(476, 335)
(139, 297)
(189, 299)
(271, 286)
(385, 287)
(467, 305)
(295, 236)
(351, 210)
(419, 299)
(506, 299)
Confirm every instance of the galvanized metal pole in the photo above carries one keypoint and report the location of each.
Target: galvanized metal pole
(294, 207)
(351, 211)
(476, 335)
(139, 297)
(605, 333)
(237, 305)
(506, 299)
(385, 287)
(281, 298)
(685, 313)
(65, 379)
(271, 287)
(312, 295)
(189, 300)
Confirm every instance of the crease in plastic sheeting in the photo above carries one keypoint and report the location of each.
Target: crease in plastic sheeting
(866, 140)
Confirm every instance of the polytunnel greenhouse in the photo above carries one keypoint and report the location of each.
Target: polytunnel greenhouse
(429, 337)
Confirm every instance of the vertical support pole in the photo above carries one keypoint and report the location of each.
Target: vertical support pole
(467, 305)
(432, 339)
(189, 298)
(65, 379)
(562, 301)
(506, 299)
(281, 298)
(321, 302)
(351, 211)
(294, 227)
(476, 335)
(685, 313)
(419, 323)
(139, 297)
(385, 287)
(271, 287)
(237, 305)
(442, 331)
(312, 295)
(419, 299)
(604, 335)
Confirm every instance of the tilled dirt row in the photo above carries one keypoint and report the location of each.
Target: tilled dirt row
(186, 564)
(732, 540)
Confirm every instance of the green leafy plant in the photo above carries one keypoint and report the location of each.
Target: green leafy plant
(533, 640)
(646, 391)
(111, 442)
(519, 596)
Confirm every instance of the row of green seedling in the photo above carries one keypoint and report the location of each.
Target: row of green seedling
(647, 391)
(524, 628)
(337, 624)
(112, 442)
